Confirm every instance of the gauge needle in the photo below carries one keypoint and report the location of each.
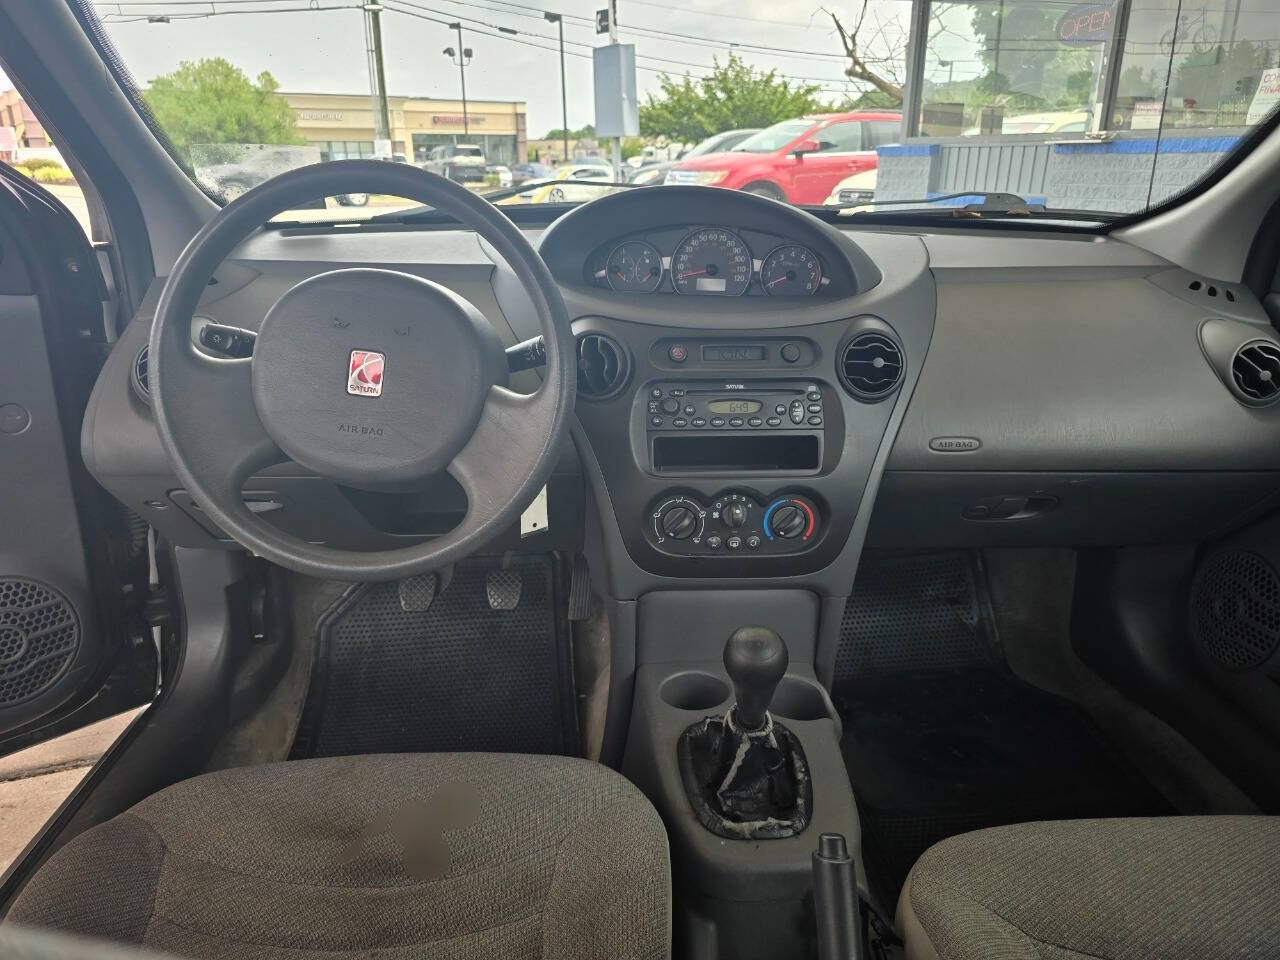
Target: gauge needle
(776, 280)
(693, 273)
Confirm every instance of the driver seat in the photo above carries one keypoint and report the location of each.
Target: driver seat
(491, 856)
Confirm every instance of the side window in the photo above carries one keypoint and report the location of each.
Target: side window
(25, 146)
(879, 132)
(841, 137)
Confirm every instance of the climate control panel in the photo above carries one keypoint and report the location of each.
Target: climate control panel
(734, 523)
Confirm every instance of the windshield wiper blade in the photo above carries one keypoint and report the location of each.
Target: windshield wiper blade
(426, 210)
(985, 204)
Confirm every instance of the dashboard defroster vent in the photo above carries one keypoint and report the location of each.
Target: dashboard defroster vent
(871, 366)
(603, 366)
(1255, 369)
(139, 378)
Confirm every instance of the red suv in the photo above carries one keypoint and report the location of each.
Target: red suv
(797, 160)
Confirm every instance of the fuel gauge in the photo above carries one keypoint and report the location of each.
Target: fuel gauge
(634, 267)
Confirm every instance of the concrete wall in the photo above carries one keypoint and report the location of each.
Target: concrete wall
(1114, 175)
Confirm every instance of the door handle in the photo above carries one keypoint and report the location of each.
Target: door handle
(1014, 507)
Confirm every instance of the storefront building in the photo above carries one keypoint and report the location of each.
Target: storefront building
(1093, 105)
(342, 125)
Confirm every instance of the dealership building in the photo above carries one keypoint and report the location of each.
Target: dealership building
(342, 125)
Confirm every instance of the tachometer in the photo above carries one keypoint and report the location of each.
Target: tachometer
(791, 271)
(711, 262)
(634, 267)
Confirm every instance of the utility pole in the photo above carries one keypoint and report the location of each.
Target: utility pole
(564, 94)
(377, 74)
(616, 152)
(463, 58)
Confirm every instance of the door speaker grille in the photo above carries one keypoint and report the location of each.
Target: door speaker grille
(1235, 609)
(39, 636)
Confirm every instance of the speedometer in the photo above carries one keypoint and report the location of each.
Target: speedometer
(711, 262)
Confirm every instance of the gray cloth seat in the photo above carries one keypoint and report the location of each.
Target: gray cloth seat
(463, 856)
(1169, 888)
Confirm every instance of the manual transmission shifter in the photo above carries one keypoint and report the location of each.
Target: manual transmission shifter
(755, 659)
(744, 772)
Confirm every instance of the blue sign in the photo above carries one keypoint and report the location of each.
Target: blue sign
(1086, 24)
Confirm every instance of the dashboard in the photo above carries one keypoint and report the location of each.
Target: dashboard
(975, 388)
(709, 261)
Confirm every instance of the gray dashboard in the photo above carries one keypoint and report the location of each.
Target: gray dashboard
(1061, 372)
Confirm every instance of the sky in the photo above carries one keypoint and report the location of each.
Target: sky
(323, 50)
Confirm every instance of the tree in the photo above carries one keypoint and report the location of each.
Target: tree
(587, 132)
(212, 101)
(733, 95)
(877, 52)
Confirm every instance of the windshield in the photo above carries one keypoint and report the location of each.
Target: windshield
(1085, 109)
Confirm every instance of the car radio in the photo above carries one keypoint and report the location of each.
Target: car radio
(734, 426)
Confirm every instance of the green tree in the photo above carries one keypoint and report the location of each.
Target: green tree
(587, 132)
(734, 95)
(212, 101)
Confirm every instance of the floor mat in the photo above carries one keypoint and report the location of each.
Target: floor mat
(940, 738)
(458, 676)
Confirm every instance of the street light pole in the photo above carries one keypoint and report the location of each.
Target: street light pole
(382, 116)
(564, 94)
(464, 55)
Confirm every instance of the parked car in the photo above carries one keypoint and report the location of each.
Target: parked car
(653, 173)
(524, 172)
(574, 183)
(463, 162)
(854, 190)
(796, 160)
(503, 172)
(257, 165)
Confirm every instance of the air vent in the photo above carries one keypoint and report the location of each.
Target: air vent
(1255, 370)
(139, 380)
(603, 366)
(871, 366)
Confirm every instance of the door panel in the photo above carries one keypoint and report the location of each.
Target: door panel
(59, 623)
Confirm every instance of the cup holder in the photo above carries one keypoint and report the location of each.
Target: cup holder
(694, 691)
(798, 700)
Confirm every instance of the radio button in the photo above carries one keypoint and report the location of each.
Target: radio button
(796, 411)
(679, 422)
(655, 421)
(677, 391)
(754, 422)
(814, 395)
(815, 421)
(656, 393)
(813, 408)
(774, 421)
(735, 421)
(780, 409)
(689, 410)
(698, 422)
(790, 352)
(717, 421)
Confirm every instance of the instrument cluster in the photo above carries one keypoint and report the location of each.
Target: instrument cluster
(708, 262)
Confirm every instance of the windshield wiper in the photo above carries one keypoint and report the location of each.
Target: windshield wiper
(986, 204)
(425, 210)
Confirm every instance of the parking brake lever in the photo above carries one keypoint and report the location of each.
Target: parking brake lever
(836, 905)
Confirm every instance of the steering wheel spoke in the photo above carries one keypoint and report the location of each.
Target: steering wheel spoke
(510, 439)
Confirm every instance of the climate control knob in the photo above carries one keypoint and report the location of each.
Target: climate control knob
(679, 523)
(734, 515)
(788, 522)
(790, 518)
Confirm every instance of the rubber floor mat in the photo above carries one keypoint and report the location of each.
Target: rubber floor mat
(940, 738)
(459, 676)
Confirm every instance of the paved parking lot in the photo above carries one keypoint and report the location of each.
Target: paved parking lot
(33, 782)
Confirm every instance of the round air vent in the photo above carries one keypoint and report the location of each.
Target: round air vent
(871, 366)
(603, 366)
(1235, 609)
(139, 378)
(39, 636)
(1255, 370)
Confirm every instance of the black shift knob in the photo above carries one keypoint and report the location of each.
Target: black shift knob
(756, 659)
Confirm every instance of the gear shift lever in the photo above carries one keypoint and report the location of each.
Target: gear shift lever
(756, 659)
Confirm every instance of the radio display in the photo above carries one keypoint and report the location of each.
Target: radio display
(732, 353)
(735, 406)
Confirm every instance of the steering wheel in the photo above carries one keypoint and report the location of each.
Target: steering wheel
(372, 378)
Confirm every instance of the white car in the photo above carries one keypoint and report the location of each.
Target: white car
(852, 191)
(575, 183)
(504, 174)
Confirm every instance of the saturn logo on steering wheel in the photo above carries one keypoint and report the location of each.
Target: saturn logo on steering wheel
(364, 373)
